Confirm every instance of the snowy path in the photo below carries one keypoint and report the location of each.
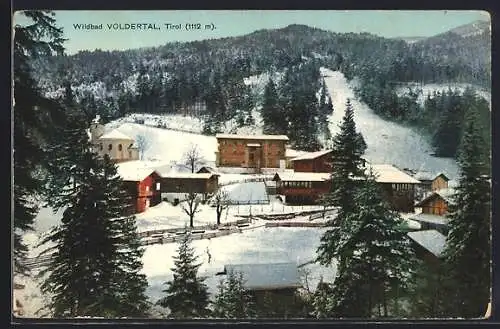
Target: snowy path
(388, 142)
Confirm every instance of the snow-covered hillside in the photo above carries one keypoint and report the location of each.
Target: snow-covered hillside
(387, 142)
(429, 89)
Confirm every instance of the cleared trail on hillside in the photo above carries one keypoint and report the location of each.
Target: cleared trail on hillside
(388, 142)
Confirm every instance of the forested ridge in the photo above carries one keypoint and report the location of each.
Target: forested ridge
(206, 78)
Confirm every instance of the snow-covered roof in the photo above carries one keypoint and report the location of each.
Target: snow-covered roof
(134, 171)
(290, 153)
(445, 193)
(429, 176)
(430, 218)
(188, 175)
(252, 137)
(387, 173)
(267, 276)
(311, 155)
(431, 240)
(303, 176)
(115, 134)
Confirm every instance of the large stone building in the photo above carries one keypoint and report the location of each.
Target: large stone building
(116, 145)
(251, 151)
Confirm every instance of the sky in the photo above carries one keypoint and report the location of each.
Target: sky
(224, 23)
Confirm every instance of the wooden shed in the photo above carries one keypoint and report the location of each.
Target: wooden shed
(203, 183)
(437, 203)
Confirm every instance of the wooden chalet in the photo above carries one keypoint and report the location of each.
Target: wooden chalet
(437, 202)
(398, 188)
(142, 183)
(302, 187)
(431, 182)
(313, 162)
(272, 285)
(251, 151)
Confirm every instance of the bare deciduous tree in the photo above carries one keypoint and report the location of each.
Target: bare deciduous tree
(193, 158)
(221, 201)
(191, 207)
(142, 145)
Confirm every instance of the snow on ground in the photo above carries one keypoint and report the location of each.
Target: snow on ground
(430, 88)
(252, 192)
(387, 142)
(261, 245)
(166, 216)
(168, 145)
(168, 121)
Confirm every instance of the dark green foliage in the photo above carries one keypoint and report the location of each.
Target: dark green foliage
(347, 163)
(433, 284)
(272, 115)
(95, 269)
(468, 245)
(376, 260)
(187, 294)
(34, 116)
(233, 301)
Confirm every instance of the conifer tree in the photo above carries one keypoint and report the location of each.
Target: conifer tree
(376, 259)
(96, 260)
(346, 164)
(233, 301)
(271, 115)
(34, 117)
(468, 245)
(186, 295)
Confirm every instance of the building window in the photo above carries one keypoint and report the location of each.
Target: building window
(110, 147)
(147, 188)
(130, 154)
(157, 186)
(120, 147)
(100, 147)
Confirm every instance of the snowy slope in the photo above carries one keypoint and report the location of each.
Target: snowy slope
(387, 142)
(169, 145)
(262, 245)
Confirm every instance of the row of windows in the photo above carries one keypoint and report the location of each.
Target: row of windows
(295, 184)
(110, 147)
(239, 143)
(402, 187)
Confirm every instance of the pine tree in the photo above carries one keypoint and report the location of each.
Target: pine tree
(187, 294)
(468, 244)
(346, 164)
(233, 301)
(376, 259)
(96, 260)
(34, 117)
(270, 111)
